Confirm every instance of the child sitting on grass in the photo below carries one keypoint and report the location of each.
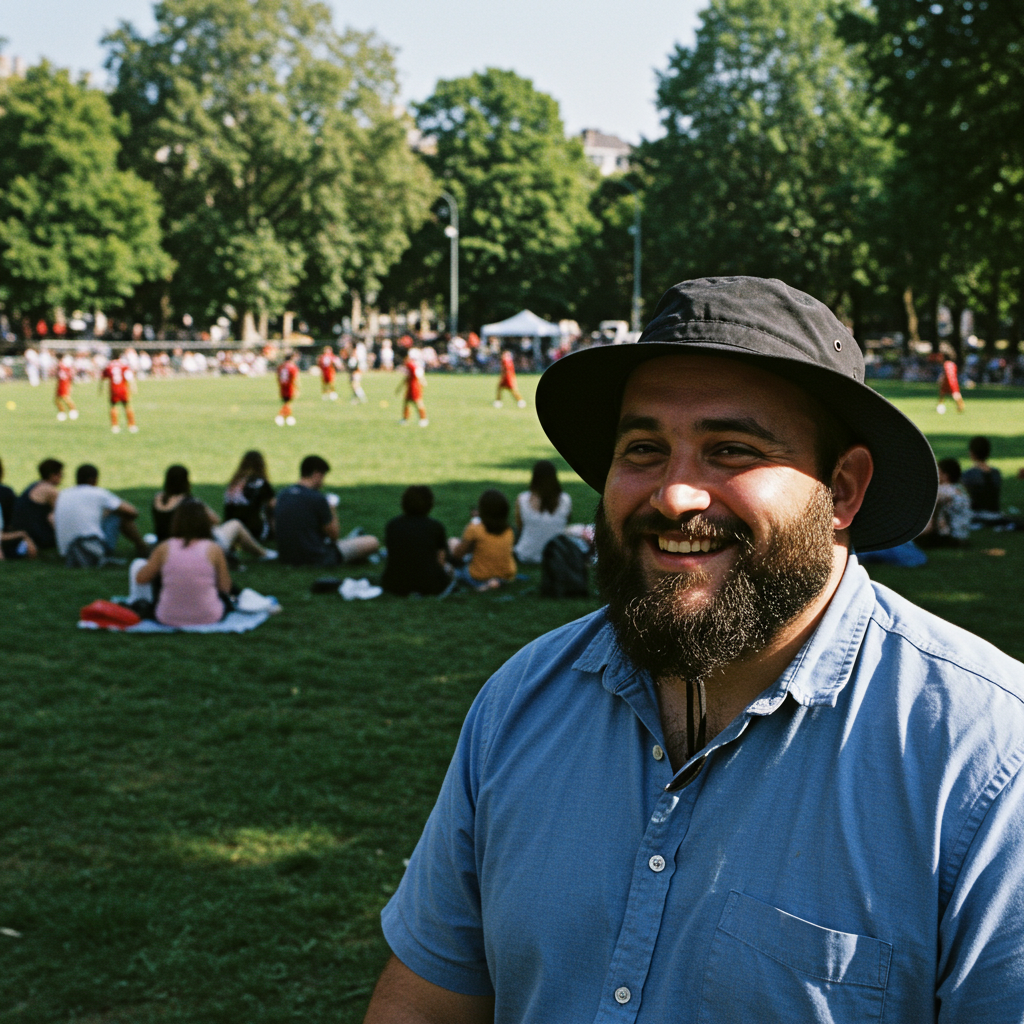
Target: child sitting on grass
(487, 540)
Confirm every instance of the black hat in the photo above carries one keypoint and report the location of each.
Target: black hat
(788, 333)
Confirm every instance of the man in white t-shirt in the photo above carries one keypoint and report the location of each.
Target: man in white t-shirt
(86, 510)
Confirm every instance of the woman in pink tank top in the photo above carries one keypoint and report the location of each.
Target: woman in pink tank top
(192, 569)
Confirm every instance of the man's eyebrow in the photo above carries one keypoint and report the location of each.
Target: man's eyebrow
(628, 423)
(739, 425)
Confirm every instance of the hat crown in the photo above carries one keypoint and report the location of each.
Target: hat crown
(758, 317)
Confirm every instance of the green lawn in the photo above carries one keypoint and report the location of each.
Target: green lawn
(204, 829)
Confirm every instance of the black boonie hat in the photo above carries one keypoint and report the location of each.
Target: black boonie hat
(769, 324)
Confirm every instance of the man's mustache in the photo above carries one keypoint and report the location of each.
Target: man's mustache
(695, 524)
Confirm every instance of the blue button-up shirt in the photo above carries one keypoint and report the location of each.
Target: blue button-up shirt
(851, 847)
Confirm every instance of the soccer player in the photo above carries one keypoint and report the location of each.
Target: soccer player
(328, 363)
(65, 378)
(508, 380)
(949, 385)
(119, 374)
(413, 384)
(288, 384)
(356, 366)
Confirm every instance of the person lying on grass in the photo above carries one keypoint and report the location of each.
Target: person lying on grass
(195, 584)
(487, 540)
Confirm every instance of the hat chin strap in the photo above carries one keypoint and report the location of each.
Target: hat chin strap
(695, 739)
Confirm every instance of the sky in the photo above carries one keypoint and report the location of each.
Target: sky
(598, 58)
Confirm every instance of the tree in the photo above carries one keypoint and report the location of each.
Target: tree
(951, 76)
(278, 149)
(773, 155)
(75, 231)
(523, 190)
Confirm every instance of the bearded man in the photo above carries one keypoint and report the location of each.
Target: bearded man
(754, 786)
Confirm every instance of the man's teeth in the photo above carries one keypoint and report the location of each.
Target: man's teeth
(686, 547)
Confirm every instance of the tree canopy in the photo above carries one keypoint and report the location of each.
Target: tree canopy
(75, 231)
(523, 190)
(773, 152)
(277, 147)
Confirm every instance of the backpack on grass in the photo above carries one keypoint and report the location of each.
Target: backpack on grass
(86, 553)
(563, 568)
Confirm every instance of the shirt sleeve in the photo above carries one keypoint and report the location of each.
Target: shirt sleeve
(981, 934)
(433, 924)
(111, 501)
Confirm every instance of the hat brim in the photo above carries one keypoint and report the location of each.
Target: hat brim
(579, 398)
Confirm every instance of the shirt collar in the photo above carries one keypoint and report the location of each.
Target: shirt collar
(815, 677)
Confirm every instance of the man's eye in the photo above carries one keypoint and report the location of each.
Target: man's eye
(736, 451)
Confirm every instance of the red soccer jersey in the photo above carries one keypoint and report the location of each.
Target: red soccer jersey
(286, 376)
(328, 365)
(948, 383)
(65, 377)
(413, 381)
(508, 369)
(118, 373)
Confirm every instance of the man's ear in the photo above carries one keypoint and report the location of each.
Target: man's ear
(850, 480)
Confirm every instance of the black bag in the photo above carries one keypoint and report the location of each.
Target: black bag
(86, 553)
(563, 568)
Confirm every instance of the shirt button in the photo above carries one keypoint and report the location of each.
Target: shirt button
(656, 863)
(622, 994)
(658, 752)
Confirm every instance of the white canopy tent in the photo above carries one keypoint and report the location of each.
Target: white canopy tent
(523, 325)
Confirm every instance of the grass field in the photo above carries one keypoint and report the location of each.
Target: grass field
(204, 828)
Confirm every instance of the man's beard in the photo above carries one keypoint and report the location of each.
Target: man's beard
(758, 596)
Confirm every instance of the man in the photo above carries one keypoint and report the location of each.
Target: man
(62, 399)
(288, 386)
(949, 387)
(33, 511)
(328, 363)
(507, 381)
(984, 483)
(413, 385)
(306, 522)
(357, 364)
(754, 787)
(121, 379)
(89, 512)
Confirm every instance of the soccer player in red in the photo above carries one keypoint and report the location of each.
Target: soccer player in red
(120, 377)
(65, 378)
(328, 363)
(413, 384)
(508, 380)
(949, 385)
(288, 383)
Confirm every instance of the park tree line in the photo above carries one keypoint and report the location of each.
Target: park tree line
(251, 157)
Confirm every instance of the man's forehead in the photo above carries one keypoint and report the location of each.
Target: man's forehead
(704, 377)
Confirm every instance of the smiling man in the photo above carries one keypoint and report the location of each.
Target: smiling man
(754, 786)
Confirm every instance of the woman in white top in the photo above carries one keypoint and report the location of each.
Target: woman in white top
(542, 512)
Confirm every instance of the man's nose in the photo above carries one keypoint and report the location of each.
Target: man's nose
(679, 494)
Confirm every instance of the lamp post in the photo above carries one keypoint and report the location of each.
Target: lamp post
(452, 231)
(635, 232)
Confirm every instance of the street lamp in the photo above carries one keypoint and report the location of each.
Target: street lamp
(635, 232)
(452, 231)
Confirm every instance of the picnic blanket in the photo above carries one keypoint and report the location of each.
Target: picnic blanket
(233, 622)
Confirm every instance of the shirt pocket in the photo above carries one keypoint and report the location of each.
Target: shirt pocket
(766, 965)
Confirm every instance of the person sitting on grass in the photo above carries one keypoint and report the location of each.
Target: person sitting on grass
(487, 542)
(950, 524)
(230, 535)
(13, 543)
(88, 511)
(33, 509)
(307, 526)
(195, 584)
(542, 512)
(983, 482)
(417, 548)
(250, 497)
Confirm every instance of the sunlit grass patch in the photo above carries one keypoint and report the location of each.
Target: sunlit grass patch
(257, 847)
